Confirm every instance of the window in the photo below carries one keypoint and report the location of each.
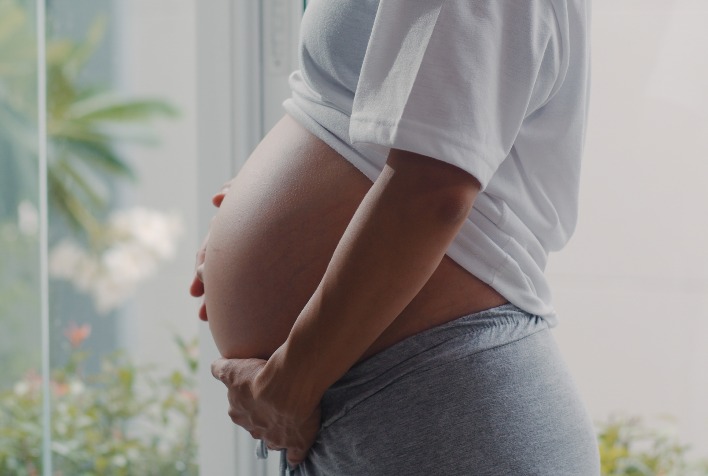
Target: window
(102, 366)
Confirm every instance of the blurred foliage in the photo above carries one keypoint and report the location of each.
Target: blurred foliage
(84, 123)
(120, 421)
(19, 303)
(629, 448)
(125, 419)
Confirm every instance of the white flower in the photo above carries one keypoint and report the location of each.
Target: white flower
(132, 454)
(128, 262)
(61, 428)
(109, 294)
(141, 238)
(65, 259)
(119, 461)
(21, 389)
(153, 230)
(76, 387)
(87, 271)
(27, 218)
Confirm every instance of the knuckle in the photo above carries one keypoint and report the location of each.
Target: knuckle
(238, 419)
(217, 370)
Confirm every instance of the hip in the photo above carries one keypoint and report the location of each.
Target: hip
(486, 394)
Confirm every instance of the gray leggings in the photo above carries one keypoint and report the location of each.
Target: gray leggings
(487, 394)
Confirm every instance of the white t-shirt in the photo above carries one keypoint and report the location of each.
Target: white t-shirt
(499, 88)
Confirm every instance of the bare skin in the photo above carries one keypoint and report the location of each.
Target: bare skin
(275, 234)
(367, 262)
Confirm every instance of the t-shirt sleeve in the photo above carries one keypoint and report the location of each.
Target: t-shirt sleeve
(455, 79)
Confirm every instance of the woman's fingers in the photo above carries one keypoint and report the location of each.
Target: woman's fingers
(307, 433)
(196, 289)
(295, 456)
(259, 415)
(200, 272)
(219, 196)
(217, 199)
(203, 312)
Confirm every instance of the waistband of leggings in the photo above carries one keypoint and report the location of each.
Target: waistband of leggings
(460, 337)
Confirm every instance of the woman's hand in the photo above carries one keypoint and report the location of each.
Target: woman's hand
(197, 287)
(266, 406)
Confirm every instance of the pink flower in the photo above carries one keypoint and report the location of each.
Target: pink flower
(188, 395)
(60, 388)
(77, 334)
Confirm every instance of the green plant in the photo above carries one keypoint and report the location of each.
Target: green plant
(629, 448)
(121, 421)
(19, 305)
(84, 123)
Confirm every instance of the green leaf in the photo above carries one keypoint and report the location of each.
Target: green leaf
(98, 155)
(104, 133)
(79, 132)
(177, 379)
(84, 121)
(126, 377)
(83, 51)
(58, 50)
(110, 108)
(77, 213)
(61, 96)
(12, 20)
(94, 196)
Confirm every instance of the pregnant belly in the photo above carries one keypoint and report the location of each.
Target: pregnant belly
(274, 235)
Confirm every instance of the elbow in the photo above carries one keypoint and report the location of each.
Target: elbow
(454, 199)
(448, 191)
(454, 207)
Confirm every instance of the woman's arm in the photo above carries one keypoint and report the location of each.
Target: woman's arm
(392, 246)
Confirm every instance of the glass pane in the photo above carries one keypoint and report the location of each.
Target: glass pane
(20, 280)
(122, 326)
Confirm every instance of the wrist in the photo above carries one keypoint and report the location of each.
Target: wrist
(292, 390)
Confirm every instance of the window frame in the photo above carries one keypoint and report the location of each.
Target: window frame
(239, 96)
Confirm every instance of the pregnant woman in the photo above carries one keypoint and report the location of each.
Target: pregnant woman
(374, 275)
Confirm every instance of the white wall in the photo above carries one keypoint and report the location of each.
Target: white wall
(632, 286)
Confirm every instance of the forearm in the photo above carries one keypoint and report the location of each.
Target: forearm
(393, 244)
